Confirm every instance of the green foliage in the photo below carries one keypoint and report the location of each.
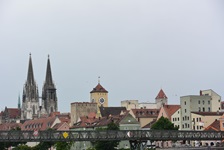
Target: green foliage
(108, 145)
(163, 124)
(63, 145)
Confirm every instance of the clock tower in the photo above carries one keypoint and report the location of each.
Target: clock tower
(99, 95)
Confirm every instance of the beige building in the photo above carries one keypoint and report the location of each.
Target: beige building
(99, 95)
(144, 116)
(79, 109)
(201, 120)
(175, 118)
(130, 104)
(207, 101)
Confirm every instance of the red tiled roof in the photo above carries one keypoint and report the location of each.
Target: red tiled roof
(161, 94)
(13, 112)
(99, 88)
(38, 124)
(145, 113)
(9, 126)
(215, 126)
(171, 109)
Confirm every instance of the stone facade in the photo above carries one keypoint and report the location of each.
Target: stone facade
(79, 109)
(49, 95)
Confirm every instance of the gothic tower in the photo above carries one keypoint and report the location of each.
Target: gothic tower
(99, 95)
(30, 100)
(49, 95)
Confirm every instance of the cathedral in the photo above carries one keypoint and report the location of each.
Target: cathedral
(31, 107)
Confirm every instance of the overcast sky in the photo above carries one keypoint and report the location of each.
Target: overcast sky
(136, 47)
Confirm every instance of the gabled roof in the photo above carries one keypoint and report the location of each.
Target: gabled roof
(99, 88)
(161, 94)
(215, 126)
(171, 109)
(12, 113)
(107, 111)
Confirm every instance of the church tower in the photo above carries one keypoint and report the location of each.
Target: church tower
(30, 100)
(161, 99)
(49, 95)
(99, 95)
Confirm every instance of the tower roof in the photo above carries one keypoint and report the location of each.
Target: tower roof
(30, 76)
(49, 79)
(161, 94)
(99, 88)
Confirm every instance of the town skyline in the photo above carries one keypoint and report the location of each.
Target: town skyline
(136, 48)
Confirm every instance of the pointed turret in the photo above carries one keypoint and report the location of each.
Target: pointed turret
(161, 99)
(30, 76)
(48, 79)
(49, 95)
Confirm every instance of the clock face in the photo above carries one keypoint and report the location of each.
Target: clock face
(102, 100)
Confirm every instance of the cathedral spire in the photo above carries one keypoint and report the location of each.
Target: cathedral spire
(30, 76)
(19, 105)
(48, 79)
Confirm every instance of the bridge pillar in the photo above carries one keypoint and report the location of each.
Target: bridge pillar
(138, 144)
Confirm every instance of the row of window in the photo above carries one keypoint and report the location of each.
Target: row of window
(199, 102)
(176, 119)
(197, 119)
(198, 127)
(186, 118)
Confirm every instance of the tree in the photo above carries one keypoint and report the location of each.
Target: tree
(108, 145)
(163, 124)
(63, 145)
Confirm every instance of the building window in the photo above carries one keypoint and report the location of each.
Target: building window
(203, 109)
(196, 119)
(185, 110)
(178, 118)
(208, 102)
(185, 103)
(199, 109)
(200, 119)
(209, 109)
(183, 125)
(203, 102)
(199, 102)
(183, 118)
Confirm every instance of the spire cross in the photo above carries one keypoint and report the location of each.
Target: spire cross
(99, 79)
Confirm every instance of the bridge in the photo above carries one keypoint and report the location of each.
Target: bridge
(137, 138)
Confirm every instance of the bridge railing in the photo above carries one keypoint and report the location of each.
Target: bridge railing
(154, 135)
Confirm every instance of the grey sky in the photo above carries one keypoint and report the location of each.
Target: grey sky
(136, 47)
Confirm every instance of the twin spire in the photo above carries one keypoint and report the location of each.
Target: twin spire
(30, 75)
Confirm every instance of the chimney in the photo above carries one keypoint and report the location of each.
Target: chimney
(200, 93)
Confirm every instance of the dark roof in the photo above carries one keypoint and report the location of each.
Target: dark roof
(107, 111)
(215, 126)
(161, 94)
(99, 88)
(209, 113)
